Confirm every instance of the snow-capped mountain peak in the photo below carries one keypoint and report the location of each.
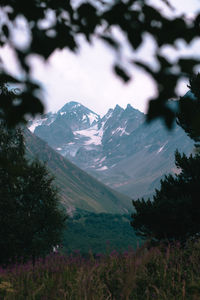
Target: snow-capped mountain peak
(70, 106)
(75, 129)
(81, 126)
(117, 148)
(79, 116)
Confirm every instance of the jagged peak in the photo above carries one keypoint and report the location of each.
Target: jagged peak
(109, 113)
(129, 107)
(118, 108)
(74, 106)
(80, 112)
(70, 105)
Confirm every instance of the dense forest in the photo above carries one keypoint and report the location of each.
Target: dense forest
(99, 233)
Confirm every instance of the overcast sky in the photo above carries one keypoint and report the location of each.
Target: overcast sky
(87, 77)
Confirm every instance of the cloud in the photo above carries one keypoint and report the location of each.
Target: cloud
(88, 78)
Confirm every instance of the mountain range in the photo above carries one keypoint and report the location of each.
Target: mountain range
(120, 149)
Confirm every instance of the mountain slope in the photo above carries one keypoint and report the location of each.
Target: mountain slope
(120, 149)
(77, 189)
(149, 155)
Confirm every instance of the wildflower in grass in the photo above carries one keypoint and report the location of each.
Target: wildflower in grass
(143, 274)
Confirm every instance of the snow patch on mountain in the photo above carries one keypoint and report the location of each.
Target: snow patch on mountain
(77, 105)
(92, 117)
(50, 118)
(161, 148)
(108, 115)
(102, 160)
(36, 124)
(92, 134)
(121, 130)
(102, 168)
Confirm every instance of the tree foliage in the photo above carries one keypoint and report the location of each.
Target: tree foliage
(134, 18)
(188, 116)
(174, 212)
(31, 220)
(99, 233)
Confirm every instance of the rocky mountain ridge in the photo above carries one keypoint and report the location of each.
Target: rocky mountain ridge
(119, 149)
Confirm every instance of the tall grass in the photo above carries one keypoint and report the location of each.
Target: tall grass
(156, 273)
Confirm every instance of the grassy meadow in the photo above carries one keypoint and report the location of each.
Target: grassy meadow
(156, 273)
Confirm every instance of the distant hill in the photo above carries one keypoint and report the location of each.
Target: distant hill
(77, 189)
(119, 149)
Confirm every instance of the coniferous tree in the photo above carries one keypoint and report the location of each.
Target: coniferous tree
(31, 220)
(189, 110)
(174, 212)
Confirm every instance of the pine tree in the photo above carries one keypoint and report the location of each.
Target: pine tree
(31, 219)
(174, 212)
(188, 116)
